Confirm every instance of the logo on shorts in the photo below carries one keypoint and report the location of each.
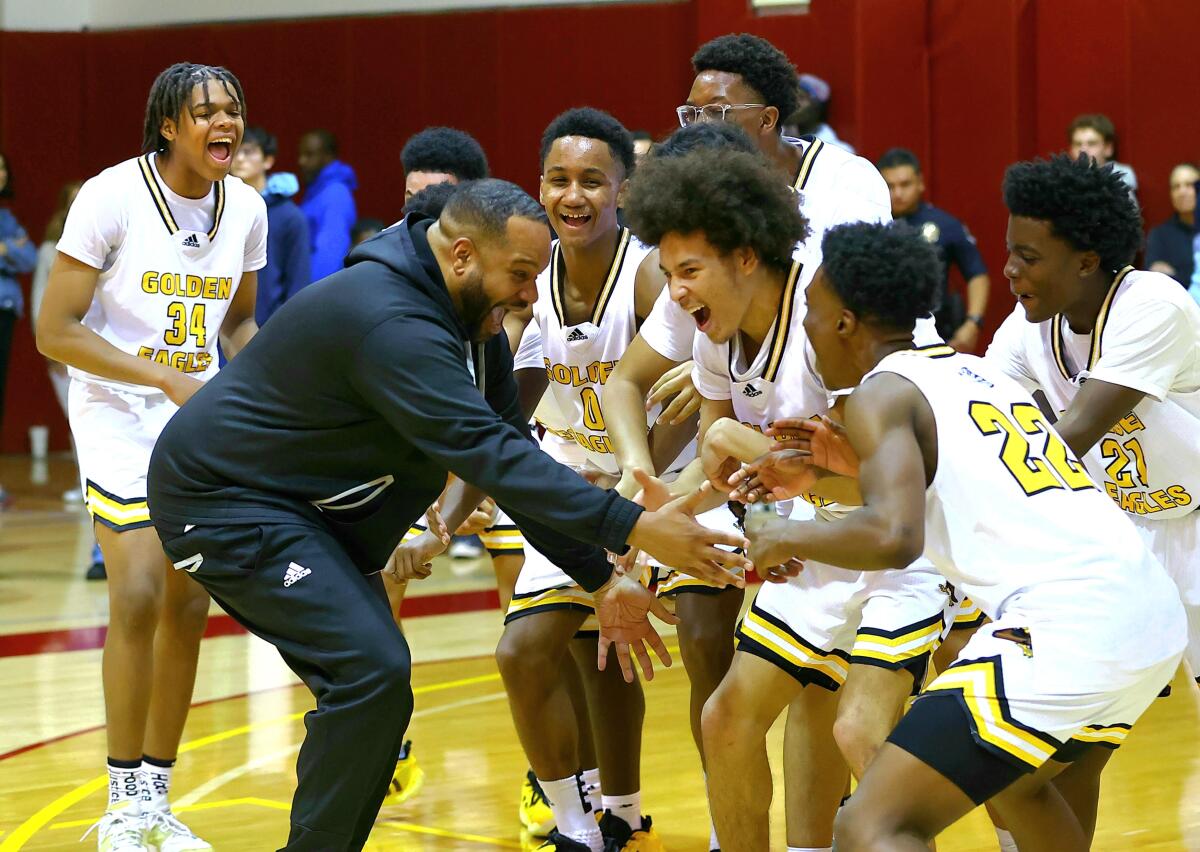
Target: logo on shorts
(576, 336)
(190, 241)
(294, 573)
(751, 391)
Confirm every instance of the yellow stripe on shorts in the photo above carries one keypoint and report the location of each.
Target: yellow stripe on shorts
(978, 683)
(915, 641)
(114, 512)
(790, 648)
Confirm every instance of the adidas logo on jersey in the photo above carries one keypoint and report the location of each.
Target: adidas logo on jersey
(191, 241)
(576, 336)
(751, 391)
(295, 572)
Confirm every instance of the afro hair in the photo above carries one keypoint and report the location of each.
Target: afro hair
(445, 150)
(764, 68)
(886, 274)
(705, 134)
(591, 124)
(1087, 206)
(733, 197)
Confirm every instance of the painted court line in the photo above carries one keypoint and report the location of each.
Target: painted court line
(24, 832)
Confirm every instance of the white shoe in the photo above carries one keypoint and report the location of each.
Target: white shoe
(120, 831)
(73, 495)
(465, 548)
(166, 833)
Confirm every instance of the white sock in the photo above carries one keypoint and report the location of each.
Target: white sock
(589, 787)
(155, 778)
(124, 786)
(628, 808)
(573, 820)
(713, 843)
(1007, 844)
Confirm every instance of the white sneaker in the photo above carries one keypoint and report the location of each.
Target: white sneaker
(120, 831)
(166, 833)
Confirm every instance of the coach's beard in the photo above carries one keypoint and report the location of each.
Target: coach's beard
(483, 319)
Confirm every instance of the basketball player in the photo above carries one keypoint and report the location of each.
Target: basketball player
(157, 261)
(598, 287)
(958, 462)
(735, 270)
(1114, 349)
(441, 155)
(745, 81)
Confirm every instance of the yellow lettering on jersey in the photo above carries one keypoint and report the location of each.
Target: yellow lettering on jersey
(184, 362)
(210, 288)
(224, 288)
(594, 443)
(1148, 503)
(595, 373)
(150, 282)
(193, 285)
(1127, 425)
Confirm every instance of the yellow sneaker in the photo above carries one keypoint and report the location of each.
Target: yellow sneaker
(408, 778)
(535, 811)
(619, 837)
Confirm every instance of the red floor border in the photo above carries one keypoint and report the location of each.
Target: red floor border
(90, 638)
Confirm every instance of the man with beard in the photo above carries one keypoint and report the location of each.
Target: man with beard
(288, 481)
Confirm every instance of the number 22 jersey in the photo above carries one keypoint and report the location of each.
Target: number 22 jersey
(169, 265)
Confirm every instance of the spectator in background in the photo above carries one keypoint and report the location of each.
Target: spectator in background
(809, 117)
(17, 256)
(1169, 246)
(441, 155)
(288, 266)
(643, 144)
(59, 379)
(364, 229)
(957, 325)
(328, 203)
(1094, 134)
(430, 200)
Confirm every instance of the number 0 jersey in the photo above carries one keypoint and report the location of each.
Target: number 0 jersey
(169, 266)
(1146, 337)
(579, 358)
(1013, 520)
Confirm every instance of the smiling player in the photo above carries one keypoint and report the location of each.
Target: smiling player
(157, 261)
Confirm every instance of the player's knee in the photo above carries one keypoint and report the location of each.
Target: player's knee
(856, 738)
(135, 610)
(706, 647)
(188, 615)
(724, 717)
(521, 658)
(392, 683)
(858, 829)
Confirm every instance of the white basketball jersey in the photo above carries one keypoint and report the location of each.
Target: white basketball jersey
(163, 290)
(1014, 521)
(579, 358)
(1149, 461)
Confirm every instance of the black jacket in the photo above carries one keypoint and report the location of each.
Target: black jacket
(349, 407)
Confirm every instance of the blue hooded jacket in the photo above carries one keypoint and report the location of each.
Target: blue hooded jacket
(329, 208)
(20, 257)
(288, 260)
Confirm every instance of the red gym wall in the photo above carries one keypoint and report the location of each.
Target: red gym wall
(969, 86)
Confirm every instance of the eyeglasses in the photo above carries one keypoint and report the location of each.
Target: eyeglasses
(713, 112)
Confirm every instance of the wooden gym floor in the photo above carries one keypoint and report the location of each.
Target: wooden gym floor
(236, 773)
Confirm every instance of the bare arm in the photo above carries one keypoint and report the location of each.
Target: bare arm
(62, 337)
(966, 338)
(888, 422)
(625, 407)
(1094, 410)
(239, 325)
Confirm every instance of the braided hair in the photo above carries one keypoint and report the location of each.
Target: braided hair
(172, 92)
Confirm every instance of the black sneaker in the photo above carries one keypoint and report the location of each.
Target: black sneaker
(564, 843)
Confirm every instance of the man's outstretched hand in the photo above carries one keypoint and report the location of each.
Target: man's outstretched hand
(823, 440)
(623, 606)
(674, 537)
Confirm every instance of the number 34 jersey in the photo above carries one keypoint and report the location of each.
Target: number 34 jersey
(1146, 337)
(1013, 520)
(169, 265)
(580, 358)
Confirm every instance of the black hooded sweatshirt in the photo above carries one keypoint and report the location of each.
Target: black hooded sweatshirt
(347, 409)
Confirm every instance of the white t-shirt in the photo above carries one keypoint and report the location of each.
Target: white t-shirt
(833, 187)
(169, 266)
(1147, 337)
